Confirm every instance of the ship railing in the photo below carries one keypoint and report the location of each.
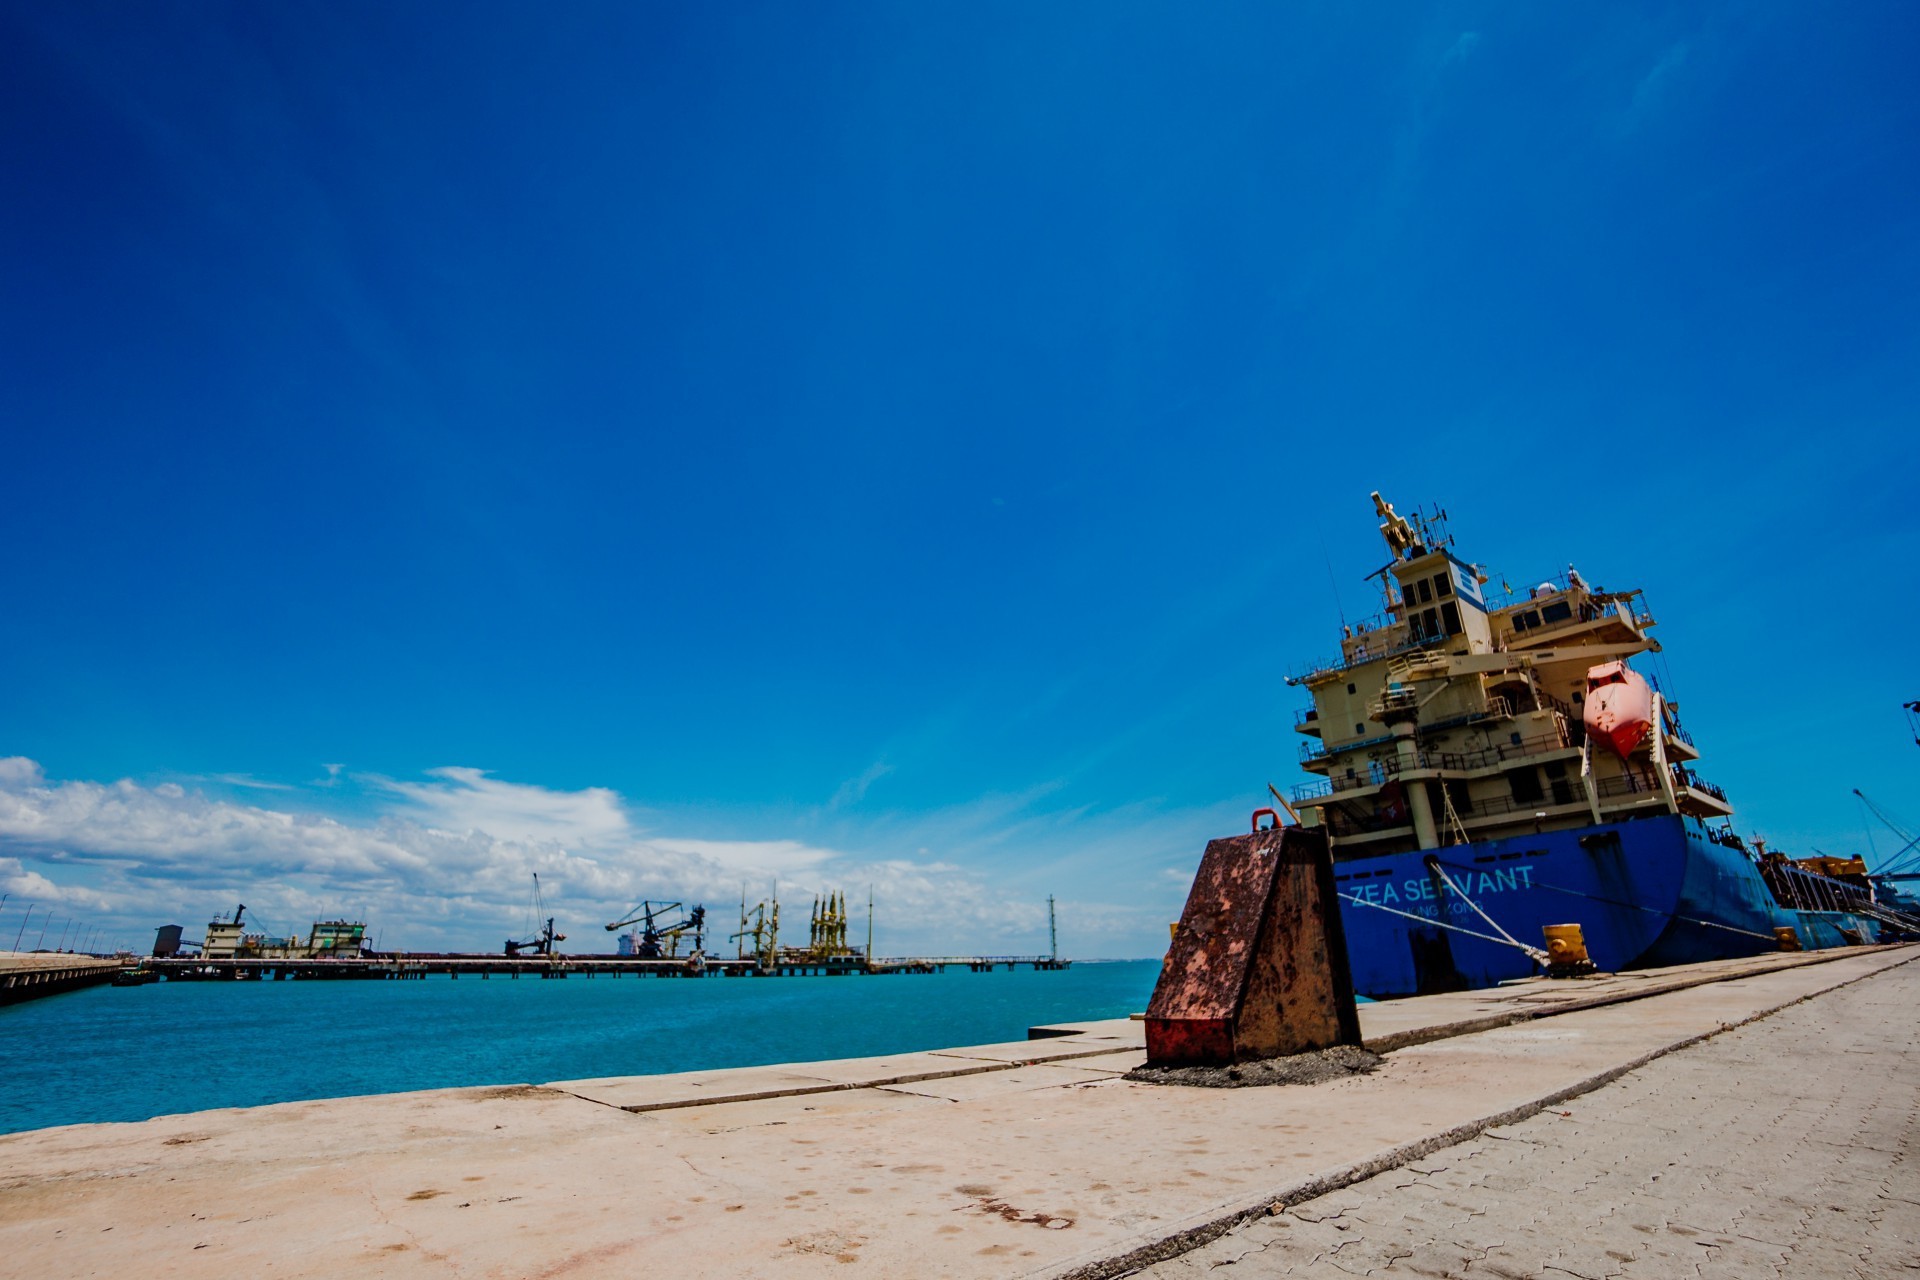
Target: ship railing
(1634, 610)
(1494, 806)
(1378, 772)
(1310, 791)
(1559, 793)
(1512, 595)
(1360, 655)
(1688, 778)
(1566, 711)
(1538, 744)
(1626, 784)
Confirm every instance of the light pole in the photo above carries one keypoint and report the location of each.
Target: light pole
(44, 926)
(23, 925)
(61, 945)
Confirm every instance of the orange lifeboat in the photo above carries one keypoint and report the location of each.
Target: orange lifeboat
(1619, 707)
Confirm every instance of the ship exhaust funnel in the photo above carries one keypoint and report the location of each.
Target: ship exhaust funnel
(1258, 966)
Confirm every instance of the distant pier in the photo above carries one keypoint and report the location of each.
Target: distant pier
(400, 967)
(28, 975)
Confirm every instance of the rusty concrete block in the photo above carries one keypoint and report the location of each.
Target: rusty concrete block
(1258, 967)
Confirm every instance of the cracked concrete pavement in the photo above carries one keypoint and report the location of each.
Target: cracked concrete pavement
(1782, 1148)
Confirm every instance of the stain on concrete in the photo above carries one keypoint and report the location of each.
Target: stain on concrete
(1317, 1067)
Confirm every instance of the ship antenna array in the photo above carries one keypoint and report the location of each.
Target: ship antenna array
(1433, 527)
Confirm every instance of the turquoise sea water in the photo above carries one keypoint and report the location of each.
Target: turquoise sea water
(130, 1053)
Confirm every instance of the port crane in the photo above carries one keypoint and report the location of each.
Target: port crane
(762, 925)
(541, 943)
(658, 926)
(1904, 862)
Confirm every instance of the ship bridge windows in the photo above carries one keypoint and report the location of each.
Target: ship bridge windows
(1421, 591)
(1435, 624)
(1552, 613)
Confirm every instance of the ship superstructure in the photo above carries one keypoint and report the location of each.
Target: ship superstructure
(1453, 716)
(1492, 766)
(229, 940)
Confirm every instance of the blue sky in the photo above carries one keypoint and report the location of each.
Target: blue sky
(663, 445)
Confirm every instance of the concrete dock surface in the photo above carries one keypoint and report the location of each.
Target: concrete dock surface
(1786, 1147)
(1037, 1158)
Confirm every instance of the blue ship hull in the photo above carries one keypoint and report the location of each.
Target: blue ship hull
(1649, 892)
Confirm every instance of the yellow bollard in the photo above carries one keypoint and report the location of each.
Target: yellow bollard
(1566, 951)
(1787, 937)
(1565, 943)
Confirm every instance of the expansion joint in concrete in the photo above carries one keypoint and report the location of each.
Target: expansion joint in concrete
(1194, 1237)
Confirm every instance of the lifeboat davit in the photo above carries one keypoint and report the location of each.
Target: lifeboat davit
(1619, 707)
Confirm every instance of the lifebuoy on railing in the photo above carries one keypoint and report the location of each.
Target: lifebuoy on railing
(1271, 814)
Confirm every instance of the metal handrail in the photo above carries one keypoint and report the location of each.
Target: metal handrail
(1381, 771)
(1368, 654)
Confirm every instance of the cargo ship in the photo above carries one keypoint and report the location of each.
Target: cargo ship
(1490, 764)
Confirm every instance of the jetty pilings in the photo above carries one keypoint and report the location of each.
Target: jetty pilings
(29, 975)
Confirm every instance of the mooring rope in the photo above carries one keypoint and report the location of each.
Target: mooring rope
(1438, 924)
(1653, 911)
(1433, 865)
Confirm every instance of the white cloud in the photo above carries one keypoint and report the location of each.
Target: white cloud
(854, 790)
(18, 771)
(447, 863)
(30, 886)
(759, 858)
(248, 782)
(468, 800)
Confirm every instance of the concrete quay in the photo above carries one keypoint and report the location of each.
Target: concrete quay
(1785, 1147)
(1027, 1158)
(28, 975)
